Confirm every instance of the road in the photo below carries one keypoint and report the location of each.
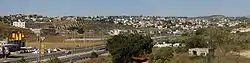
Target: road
(75, 57)
(34, 57)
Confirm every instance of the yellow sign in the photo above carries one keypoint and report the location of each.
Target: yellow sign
(17, 36)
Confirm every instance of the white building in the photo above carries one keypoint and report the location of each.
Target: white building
(114, 32)
(168, 45)
(19, 24)
(200, 51)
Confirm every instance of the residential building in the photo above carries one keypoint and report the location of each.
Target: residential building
(19, 24)
(200, 51)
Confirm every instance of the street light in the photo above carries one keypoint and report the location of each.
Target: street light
(42, 45)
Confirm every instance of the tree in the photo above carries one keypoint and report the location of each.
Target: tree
(80, 30)
(163, 55)
(72, 28)
(196, 42)
(94, 55)
(125, 46)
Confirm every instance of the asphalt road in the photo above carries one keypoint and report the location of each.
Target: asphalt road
(75, 57)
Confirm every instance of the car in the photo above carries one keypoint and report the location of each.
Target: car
(68, 52)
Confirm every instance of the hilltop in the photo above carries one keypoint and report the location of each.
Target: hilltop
(5, 29)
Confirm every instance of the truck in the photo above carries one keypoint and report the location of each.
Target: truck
(13, 43)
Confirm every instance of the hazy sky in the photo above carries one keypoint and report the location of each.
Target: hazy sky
(127, 7)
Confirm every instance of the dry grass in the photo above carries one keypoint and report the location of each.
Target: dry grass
(65, 44)
(101, 59)
(59, 42)
(219, 58)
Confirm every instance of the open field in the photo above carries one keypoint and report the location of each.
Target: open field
(65, 44)
(59, 42)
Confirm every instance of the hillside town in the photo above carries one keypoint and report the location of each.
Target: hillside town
(171, 25)
(166, 32)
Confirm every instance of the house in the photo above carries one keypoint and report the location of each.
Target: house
(169, 45)
(163, 44)
(114, 32)
(200, 51)
(19, 24)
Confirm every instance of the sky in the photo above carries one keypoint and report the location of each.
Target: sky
(126, 7)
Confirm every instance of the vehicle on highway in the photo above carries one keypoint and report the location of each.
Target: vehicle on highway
(68, 52)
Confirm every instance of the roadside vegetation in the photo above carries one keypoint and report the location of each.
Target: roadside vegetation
(226, 45)
(125, 47)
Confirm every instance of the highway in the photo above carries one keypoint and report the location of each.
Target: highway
(75, 57)
(34, 57)
(77, 54)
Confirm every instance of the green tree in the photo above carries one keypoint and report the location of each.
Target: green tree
(80, 30)
(163, 55)
(196, 42)
(125, 46)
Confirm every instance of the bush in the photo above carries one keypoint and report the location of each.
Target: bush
(54, 60)
(22, 60)
(123, 47)
(94, 55)
(163, 55)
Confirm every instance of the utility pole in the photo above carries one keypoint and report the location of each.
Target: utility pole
(39, 53)
(38, 32)
(42, 46)
(92, 40)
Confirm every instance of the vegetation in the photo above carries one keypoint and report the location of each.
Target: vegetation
(54, 60)
(124, 47)
(220, 39)
(94, 55)
(100, 59)
(163, 55)
(22, 60)
(5, 30)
